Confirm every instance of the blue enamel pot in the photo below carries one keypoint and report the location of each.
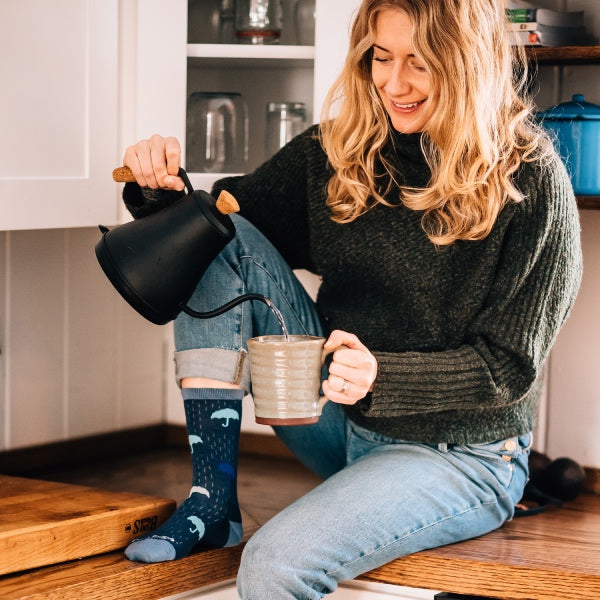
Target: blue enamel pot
(575, 127)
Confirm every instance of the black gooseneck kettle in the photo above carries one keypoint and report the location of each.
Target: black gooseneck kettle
(156, 262)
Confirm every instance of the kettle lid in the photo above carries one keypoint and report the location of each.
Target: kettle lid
(577, 108)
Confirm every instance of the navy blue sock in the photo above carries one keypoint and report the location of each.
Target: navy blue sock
(210, 516)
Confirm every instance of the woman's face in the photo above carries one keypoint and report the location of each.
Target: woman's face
(399, 76)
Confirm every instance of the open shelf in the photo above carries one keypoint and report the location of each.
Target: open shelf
(544, 55)
(569, 55)
(224, 55)
(563, 55)
(588, 202)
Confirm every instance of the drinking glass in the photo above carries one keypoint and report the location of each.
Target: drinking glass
(217, 132)
(284, 121)
(258, 21)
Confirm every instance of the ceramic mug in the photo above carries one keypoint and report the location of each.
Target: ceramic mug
(286, 378)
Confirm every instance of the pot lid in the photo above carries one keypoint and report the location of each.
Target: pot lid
(578, 108)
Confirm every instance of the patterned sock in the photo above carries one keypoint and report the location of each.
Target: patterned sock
(210, 516)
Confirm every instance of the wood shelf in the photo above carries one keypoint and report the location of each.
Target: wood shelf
(569, 55)
(588, 202)
(563, 55)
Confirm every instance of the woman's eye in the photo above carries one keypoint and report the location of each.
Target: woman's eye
(379, 59)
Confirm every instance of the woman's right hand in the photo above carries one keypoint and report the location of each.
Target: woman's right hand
(155, 162)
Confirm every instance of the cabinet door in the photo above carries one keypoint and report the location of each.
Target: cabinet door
(58, 113)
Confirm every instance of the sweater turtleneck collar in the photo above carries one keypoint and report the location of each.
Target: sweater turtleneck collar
(407, 146)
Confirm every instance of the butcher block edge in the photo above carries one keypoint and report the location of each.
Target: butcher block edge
(45, 523)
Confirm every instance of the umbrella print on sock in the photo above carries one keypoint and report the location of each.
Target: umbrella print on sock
(194, 439)
(226, 413)
(197, 489)
(198, 528)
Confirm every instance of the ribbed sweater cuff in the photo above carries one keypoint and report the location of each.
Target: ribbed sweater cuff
(414, 382)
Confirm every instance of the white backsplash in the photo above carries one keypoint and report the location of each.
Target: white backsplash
(75, 358)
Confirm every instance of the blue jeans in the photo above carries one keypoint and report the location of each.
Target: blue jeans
(216, 348)
(381, 498)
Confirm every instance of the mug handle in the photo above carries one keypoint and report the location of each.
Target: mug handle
(324, 399)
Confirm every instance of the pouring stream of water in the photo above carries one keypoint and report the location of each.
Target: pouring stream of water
(279, 316)
(229, 305)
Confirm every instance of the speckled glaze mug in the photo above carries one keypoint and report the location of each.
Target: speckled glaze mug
(286, 378)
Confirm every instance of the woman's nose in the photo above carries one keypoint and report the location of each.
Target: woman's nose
(398, 83)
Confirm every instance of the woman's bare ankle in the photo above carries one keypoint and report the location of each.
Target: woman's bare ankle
(204, 382)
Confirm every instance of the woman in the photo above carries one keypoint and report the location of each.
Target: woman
(446, 233)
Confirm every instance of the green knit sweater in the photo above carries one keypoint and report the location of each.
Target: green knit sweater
(460, 333)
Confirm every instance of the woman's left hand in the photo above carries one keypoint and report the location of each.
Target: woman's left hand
(352, 371)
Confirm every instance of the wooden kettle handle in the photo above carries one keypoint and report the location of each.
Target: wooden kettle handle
(226, 203)
(123, 175)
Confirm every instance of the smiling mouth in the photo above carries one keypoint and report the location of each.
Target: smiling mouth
(409, 106)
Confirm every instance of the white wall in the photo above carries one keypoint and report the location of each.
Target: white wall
(574, 377)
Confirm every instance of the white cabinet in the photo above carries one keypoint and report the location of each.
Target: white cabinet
(284, 72)
(82, 79)
(153, 81)
(58, 112)
(86, 78)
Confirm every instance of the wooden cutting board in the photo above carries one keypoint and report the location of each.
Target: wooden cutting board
(44, 523)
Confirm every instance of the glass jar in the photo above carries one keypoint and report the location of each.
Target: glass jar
(285, 120)
(258, 21)
(217, 133)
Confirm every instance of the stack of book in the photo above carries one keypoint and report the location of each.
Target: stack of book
(534, 26)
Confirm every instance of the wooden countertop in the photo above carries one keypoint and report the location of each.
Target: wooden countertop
(554, 555)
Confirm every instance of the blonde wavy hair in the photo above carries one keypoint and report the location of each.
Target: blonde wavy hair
(479, 131)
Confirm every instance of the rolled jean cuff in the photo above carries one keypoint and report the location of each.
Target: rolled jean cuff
(230, 366)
